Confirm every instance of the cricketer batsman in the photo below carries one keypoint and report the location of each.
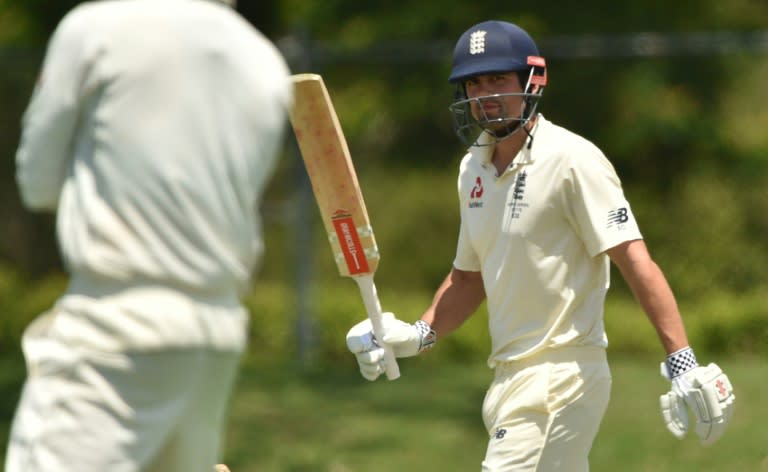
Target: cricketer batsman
(543, 214)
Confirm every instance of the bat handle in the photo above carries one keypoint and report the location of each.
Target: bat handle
(373, 307)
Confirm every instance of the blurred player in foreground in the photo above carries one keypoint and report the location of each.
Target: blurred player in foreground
(542, 215)
(152, 133)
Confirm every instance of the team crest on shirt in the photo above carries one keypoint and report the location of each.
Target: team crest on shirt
(517, 204)
(476, 195)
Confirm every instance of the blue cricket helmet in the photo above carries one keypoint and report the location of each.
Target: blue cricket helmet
(492, 46)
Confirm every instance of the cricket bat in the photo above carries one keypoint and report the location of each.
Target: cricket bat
(337, 191)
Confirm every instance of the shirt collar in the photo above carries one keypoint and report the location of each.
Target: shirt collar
(526, 155)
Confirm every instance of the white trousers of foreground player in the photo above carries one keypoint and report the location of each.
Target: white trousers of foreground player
(75, 414)
(543, 413)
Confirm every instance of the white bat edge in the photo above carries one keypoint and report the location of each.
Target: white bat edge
(373, 307)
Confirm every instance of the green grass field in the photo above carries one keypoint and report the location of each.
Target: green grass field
(429, 420)
(331, 420)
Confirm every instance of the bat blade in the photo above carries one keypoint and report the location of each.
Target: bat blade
(337, 192)
(333, 177)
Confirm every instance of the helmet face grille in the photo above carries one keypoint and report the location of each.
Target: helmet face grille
(469, 125)
(492, 46)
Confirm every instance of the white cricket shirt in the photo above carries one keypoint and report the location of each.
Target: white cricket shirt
(538, 234)
(152, 133)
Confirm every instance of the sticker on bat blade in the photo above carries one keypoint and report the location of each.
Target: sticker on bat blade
(353, 251)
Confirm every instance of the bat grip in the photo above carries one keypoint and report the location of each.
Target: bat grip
(373, 307)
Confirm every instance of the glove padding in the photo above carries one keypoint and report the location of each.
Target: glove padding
(708, 393)
(406, 340)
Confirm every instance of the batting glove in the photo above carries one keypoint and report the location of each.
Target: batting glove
(406, 340)
(705, 390)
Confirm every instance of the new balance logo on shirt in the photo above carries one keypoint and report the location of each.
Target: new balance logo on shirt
(618, 217)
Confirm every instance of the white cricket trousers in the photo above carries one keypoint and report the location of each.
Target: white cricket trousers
(87, 411)
(543, 413)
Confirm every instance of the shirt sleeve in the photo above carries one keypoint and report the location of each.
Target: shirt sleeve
(50, 120)
(596, 205)
(466, 257)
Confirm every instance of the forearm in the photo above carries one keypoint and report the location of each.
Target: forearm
(653, 293)
(657, 300)
(458, 297)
